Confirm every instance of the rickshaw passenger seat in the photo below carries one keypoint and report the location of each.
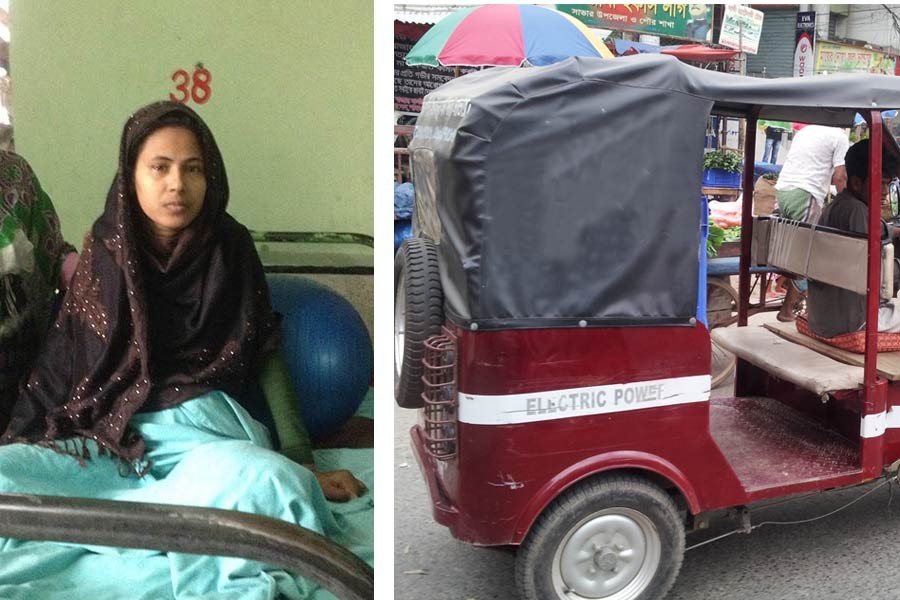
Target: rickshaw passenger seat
(788, 360)
(824, 254)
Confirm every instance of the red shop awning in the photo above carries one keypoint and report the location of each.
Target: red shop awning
(698, 52)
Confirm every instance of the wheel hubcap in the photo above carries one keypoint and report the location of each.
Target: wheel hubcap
(612, 554)
(606, 560)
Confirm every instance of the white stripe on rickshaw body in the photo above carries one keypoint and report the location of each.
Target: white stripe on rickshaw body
(875, 425)
(509, 409)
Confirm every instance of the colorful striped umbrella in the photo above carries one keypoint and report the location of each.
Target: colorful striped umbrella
(505, 35)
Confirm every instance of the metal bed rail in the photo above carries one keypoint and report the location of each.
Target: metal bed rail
(188, 529)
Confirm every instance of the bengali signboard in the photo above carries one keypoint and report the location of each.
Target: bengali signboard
(840, 58)
(805, 44)
(741, 28)
(412, 83)
(693, 21)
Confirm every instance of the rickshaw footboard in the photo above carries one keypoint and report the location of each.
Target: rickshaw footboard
(769, 444)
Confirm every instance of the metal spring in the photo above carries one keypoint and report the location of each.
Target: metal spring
(439, 396)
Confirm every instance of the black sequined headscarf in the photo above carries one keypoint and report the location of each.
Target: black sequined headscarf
(137, 333)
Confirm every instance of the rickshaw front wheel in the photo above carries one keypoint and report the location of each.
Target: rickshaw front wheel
(612, 538)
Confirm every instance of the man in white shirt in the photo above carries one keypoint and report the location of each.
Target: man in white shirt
(814, 163)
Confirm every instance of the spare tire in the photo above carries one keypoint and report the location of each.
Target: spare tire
(418, 315)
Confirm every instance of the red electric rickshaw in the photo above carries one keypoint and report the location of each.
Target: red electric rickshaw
(549, 331)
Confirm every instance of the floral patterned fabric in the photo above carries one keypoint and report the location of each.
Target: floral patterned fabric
(31, 252)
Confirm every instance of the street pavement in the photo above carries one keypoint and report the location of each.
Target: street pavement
(852, 554)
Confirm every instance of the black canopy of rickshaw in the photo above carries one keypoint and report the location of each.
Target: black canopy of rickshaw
(569, 195)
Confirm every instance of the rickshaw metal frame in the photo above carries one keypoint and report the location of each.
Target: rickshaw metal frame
(874, 387)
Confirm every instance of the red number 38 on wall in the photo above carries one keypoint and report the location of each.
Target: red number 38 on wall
(192, 87)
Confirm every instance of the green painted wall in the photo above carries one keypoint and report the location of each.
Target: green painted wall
(291, 103)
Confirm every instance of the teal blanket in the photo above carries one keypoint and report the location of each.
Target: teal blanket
(205, 452)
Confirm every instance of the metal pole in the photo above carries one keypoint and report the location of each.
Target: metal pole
(875, 399)
(874, 263)
(747, 219)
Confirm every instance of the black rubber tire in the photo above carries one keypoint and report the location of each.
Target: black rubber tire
(534, 561)
(417, 283)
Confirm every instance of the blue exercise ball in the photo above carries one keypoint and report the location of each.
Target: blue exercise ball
(327, 350)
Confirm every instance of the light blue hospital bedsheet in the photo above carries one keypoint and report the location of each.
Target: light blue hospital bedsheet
(205, 452)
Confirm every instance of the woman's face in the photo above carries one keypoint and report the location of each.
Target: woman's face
(169, 180)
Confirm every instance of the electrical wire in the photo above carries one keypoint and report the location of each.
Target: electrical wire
(864, 10)
(798, 522)
(893, 18)
(715, 539)
(797, 497)
(828, 514)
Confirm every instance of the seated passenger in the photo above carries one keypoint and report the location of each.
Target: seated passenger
(137, 393)
(34, 262)
(832, 310)
(814, 162)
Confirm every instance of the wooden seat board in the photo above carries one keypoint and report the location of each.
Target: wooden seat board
(788, 360)
(888, 362)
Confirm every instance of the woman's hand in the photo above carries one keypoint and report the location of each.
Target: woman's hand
(339, 486)
(69, 264)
